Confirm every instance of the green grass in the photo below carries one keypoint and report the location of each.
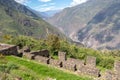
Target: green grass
(45, 71)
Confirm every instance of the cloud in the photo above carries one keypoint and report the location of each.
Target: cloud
(43, 9)
(76, 2)
(44, 0)
(46, 7)
(21, 1)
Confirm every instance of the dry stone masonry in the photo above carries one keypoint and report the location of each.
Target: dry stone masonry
(69, 64)
(113, 75)
(87, 67)
(6, 49)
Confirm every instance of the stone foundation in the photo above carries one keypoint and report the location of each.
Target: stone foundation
(42, 59)
(56, 63)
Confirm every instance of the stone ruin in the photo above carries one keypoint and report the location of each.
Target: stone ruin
(113, 74)
(87, 67)
(6, 49)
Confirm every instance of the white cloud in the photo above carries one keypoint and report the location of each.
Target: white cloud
(21, 1)
(76, 2)
(44, 0)
(43, 9)
(46, 7)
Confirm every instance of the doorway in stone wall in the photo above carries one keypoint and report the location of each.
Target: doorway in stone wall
(61, 64)
(75, 68)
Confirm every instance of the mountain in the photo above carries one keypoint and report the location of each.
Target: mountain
(103, 31)
(17, 19)
(47, 14)
(72, 19)
(50, 13)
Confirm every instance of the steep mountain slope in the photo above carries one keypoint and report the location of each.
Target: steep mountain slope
(50, 13)
(103, 31)
(45, 15)
(70, 20)
(18, 19)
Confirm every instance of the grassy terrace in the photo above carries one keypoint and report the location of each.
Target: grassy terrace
(42, 71)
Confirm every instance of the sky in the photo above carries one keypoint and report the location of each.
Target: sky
(47, 5)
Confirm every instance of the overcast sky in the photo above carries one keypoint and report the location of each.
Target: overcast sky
(46, 5)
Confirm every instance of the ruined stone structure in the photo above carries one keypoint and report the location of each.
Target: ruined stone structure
(91, 61)
(70, 63)
(6, 49)
(87, 67)
(62, 56)
(115, 74)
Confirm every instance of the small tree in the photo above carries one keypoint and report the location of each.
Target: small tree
(53, 43)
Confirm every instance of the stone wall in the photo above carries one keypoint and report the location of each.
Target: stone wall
(87, 67)
(44, 53)
(6, 49)
(62, 56)
(69, 64)
(112, 74)
(56, 63)
(117, 67)
(91, 61)
(42, 59)
(73, 64)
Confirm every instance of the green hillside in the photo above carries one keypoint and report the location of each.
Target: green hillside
(31, 70)
(17, 19)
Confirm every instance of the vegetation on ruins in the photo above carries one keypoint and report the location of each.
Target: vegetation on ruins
(54, 44)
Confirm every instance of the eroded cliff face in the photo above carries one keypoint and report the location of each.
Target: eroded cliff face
(103, 31)
(72, 19)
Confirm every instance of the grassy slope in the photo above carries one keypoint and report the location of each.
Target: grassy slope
(45, 71)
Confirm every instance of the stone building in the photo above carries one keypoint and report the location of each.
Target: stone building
(7, 49)
(91, 61)
(62, 56)
(44, 53)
